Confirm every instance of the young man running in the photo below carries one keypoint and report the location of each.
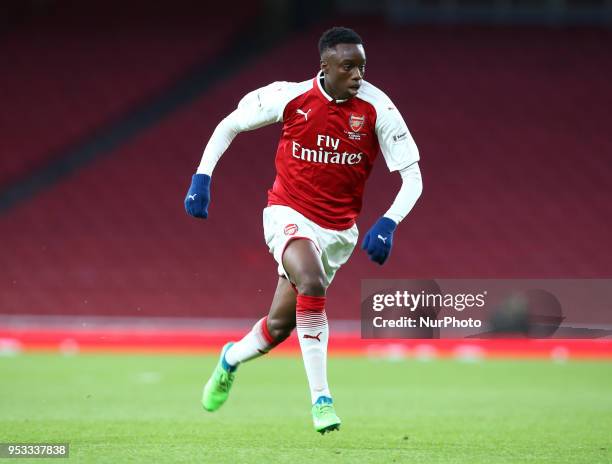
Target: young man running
(333, 127)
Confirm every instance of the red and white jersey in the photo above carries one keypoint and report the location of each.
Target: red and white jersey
(327, 147)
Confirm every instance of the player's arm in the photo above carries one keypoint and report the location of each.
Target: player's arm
(401, 154)
(259, 108)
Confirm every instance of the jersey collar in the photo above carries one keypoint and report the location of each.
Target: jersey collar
(319, 84)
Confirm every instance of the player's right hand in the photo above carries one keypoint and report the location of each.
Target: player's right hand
(198, 196)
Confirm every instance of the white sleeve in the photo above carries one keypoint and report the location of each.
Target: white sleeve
(410, 191)
(258, 108)
(396, 142)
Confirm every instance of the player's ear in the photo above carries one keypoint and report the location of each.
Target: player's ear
(324, 66)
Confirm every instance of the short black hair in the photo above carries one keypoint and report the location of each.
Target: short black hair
(338, 35)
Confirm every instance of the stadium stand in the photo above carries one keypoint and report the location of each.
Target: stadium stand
(512, 127)
(72, 69)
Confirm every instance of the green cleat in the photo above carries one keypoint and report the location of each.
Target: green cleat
(218, 386)
(324, 415)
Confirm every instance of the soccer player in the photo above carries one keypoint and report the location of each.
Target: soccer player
(332, 129)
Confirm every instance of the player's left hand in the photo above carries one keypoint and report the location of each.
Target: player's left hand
(379, 240)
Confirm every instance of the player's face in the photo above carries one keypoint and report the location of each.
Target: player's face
(344, 67)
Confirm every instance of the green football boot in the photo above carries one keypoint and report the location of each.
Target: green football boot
(218, 386)
(324, 415)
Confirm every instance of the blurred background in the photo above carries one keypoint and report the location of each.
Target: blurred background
(107, 106)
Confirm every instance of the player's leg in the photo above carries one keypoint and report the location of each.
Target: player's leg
(281, 318)
(269, 331)
(303, 264)
(265, 334)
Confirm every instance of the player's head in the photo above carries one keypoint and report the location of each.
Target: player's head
(342, 61)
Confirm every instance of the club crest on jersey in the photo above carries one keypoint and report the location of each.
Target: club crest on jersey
(356, 122)
(291, 229)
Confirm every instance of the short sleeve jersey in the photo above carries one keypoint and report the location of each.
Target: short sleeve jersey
(327, 147)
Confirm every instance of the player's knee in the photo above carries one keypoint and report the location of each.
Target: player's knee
(312, 285)
(280, 329)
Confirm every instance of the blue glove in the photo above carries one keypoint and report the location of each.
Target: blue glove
(198, 196)
(379, 240)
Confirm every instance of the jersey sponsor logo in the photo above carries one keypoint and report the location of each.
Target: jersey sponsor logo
(356, 122)
(299, 111)
(291, 229)
(320, 155)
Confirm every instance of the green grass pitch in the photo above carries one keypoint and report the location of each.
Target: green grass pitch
(146, 408)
